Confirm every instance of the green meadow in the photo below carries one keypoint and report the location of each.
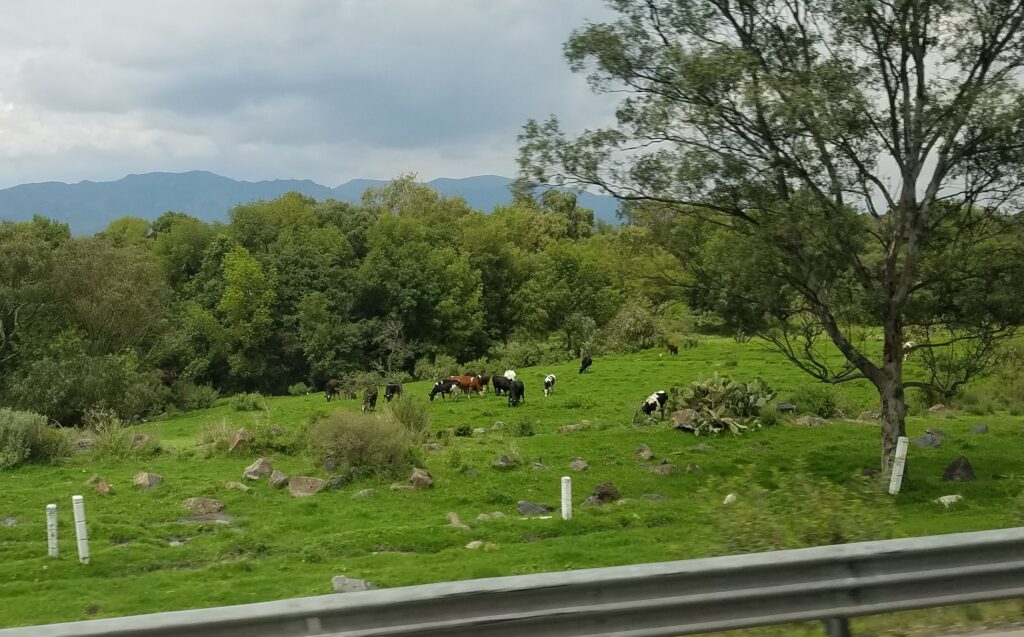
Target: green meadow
(147, 556)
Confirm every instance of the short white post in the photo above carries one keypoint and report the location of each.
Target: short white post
(566, 498)
(78, 504)
(899, 465)
(51, 530)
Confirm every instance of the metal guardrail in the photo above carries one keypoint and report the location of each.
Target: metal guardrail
(828, 583)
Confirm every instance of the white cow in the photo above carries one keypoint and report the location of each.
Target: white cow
(509, 374)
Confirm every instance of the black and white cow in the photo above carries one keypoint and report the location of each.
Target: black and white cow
(549, 384)
(392, 390)
(516, 393)
(370, 399)
(445, 388)
(501, 385)
(331, 389)
(655, 402)
(585, 364)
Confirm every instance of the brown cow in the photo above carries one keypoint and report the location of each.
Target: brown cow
(468, 384)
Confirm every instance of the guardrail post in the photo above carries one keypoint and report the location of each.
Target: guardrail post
(566, 498)
(899, 465)
(838, 627)
(51, 530)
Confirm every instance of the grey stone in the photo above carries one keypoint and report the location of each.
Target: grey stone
(938, 408)
(539, 466)
(139, 440)
(470, 473)
(342, 584)
(474, 545)
(258, 469)
(785, 408)
(938, 433)
(402, 487)
(330, 464)
(145, 480)
(420, 478)
(503, 462)
(498, 425)
(643, 452)
(870, 415)
(684, 419)
(960, 470)
(483, 517)
(278, 479)
(202, 506)
(479, 430)
(433, 447)
(928, 441)
(580, 426)
(979, 429)
(336, 482)
(239, 440)
(593, 501)
(304, 486)
(700, 447)
(606, 492)
(93, 480)
(453, 520)
(579, 464)
(811, 421)
(664, 469)
(238, 486)
(529, 508)
(219, 518)
(102, 487)
(694, 468)
(365, 493)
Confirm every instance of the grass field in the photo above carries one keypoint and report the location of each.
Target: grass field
(147, 558)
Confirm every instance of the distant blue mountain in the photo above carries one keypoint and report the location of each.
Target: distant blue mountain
(88, 207)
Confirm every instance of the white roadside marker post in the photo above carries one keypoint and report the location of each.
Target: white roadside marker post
(899, 465)
(78, 504)
(566, 498)
(51, 530)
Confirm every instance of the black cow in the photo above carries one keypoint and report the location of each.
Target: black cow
(516, 393)
(370, 399)
(501, 384)
(392, 390)
(549, 384)
(445, 388)
(655, 401)
(585, 364)
(331, 389)
(485, 380)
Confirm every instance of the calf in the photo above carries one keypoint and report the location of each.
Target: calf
(331, 389)
(468, 384)
(445, 388)
(501, 385)
(549, 384)
(370, 399)
(516, 393)
(585, 364)
(510, 374)
(392, 390)
(655, 401)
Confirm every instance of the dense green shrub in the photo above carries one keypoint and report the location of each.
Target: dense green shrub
(250, 401)
(190, 397)
(440, 366)
(522, 428)
(819, 399)
(464, 431)
(298, 389)
(115, 439)
(632, 329)
(20, 433)
(366, 443)
(412, 414)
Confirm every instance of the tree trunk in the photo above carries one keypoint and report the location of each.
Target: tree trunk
(890, 390)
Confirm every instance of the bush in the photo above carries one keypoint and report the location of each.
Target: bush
(55, 445)
(769, 416)
(522, 428)
(20, 433)
(365, 443)
(798, 511)
(631, 329)
(441, 366)
(114, 439)
(298, 389)
(248, 402)
(190, 397)
(412, 414)
(464, 431)
(821, 400)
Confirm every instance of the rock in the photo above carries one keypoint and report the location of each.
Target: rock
(606, 492)
(538, 466)
(453, 520)
(700, 447)
(785, 408)
(810, 421)
(402, 487)
(433, 447)
(693, 468)
(258, 469)
(176, 542)
(239, 440)
(420, 479)
(278, 479)
(503, 462)
(959, 471)
(928, 441)
(202, 506)
(10, 522)
(664, 469)
(643, 452)
(342, 584)
(479, 430)
(529, 508)
(579, 464)
(144, 480)
(938, 433)
(938, 408)
(102, 487)
(93, 480)
(219, 518)
(498, 425)
(869, 472)
(483, 517)
(139, 440)
(652, 496)
(684, 419)
(304, 486)
(470, 473)
(238, 486)
(593, 501)
(330, 464)
(948, 500)
(979, 429)
(336, 482)
(364, 493)
(623, 501)
(580, 426)
(870, 415)
(729, 499)
(474, 545)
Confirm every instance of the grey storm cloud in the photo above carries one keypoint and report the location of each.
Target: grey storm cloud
(325, 90)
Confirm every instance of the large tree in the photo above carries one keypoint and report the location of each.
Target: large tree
(865, 148)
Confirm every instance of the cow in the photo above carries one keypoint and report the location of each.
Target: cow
(585, 364)
(468, 384)
(655, 401)
(445, 388)
(908, 349)
(485, 380)
(516, 393)
(331, 389)
(510, 374)
(672, 348)
(392, 390)
(370, 398)
(549, 384)
(501, 385)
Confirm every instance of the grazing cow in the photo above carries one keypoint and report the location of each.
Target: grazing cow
(549, 384)
(370, 399)
(468, 384)
(908, 349)
(585, 364)
(392, 390)
(501, 385)
(510, 374)
(516, 393)
(445, 388)
(331, 389)
(655, 401)
(485, 380)
(672, 348)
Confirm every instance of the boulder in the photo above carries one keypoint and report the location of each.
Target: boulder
(664, 469)
(93, 480)
(474, 545)
(498, 425)
(580, 426)
(870, 415)
(258, 469)
(420, 479)
(606, 492)
(938, 408)
(483, 517)
(938, 433)
(928, 441)
(479, 430)
(593, 501)
(811, 421)
(304, 486)
(342, 584)
(102, 487)
(364, 493)
(979, 429)
(453, 520)
(729, 499)
(330, 464)
(503, 462)
(139, 440)
(539, 466)
(337, 482)
(146, 480)
(237, 486)
(470, 473)
(684, 419)
(948, 500)
(239, 440)
(960, 470)
(278, 479)
(402, 487)
(529, 508)
(693, 467)
(578, 464)
(643, 452)
(202, 506)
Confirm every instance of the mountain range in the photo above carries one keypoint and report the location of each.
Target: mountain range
(89, 206)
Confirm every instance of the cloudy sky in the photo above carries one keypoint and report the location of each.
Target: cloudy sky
(326, 90)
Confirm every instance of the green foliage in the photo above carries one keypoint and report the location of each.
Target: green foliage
(464, 430)
(818, 399)
(190, 397)
(20, 433)
(522, 428)
(298, 389)
(722, 404)
(633, 328)
(362, 442)
(437, 368)
(250, 401)
(114, 439)
(412, 413)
